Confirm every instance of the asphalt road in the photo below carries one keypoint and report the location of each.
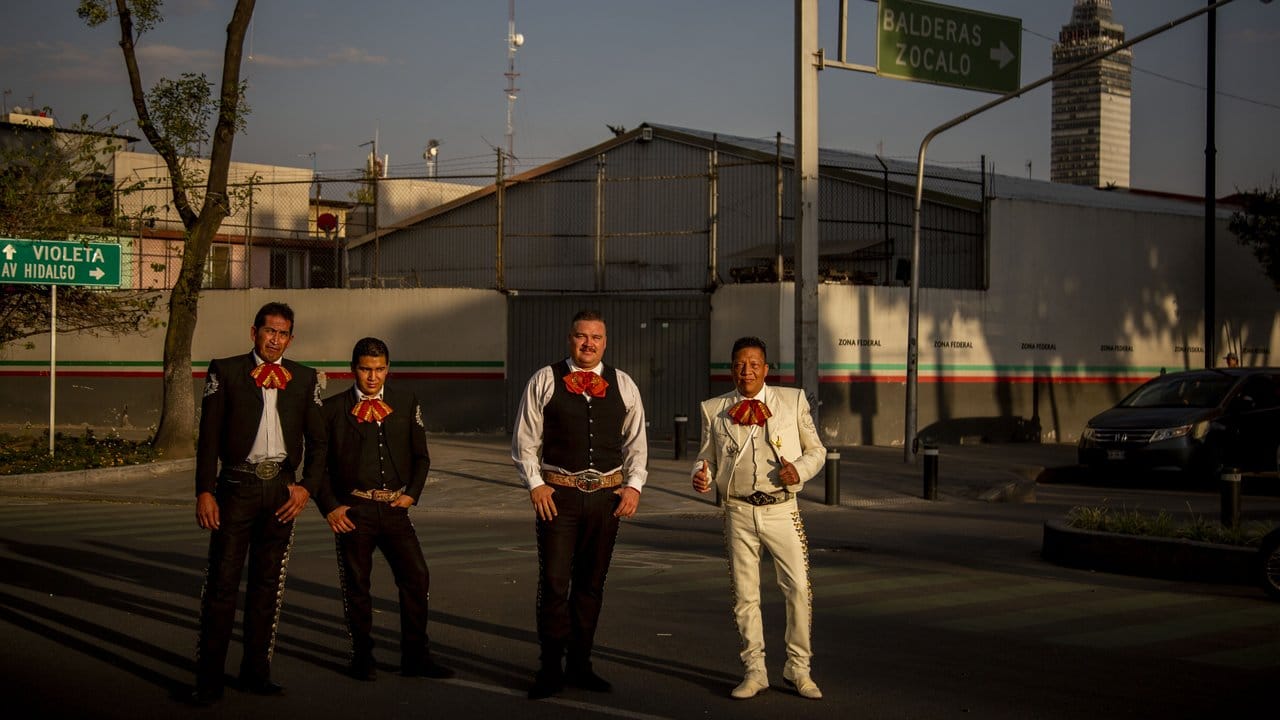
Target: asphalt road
(922, 610)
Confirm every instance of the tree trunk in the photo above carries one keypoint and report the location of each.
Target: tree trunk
(176, 433)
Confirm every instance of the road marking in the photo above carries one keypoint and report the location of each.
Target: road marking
(1177, 629)
(1050, 614)
(934, 601)
(575, 704)
(1257, 657)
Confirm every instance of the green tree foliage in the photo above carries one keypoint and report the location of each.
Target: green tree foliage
(1257, 226)
(54, 186)
(174, 116)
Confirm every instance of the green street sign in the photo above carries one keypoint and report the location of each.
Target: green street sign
(59, 262)
(944, 45)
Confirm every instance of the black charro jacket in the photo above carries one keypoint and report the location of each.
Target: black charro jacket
(232, 410)
(406, 439)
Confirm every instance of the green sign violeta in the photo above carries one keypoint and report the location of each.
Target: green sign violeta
(59, 262)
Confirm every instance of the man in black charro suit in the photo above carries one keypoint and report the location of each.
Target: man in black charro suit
(260, 422)
(377, 466)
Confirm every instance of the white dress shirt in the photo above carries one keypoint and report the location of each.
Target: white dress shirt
(526, 441)
(269, 443)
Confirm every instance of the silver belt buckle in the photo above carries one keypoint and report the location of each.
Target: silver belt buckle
(267, 470)
(590, 478)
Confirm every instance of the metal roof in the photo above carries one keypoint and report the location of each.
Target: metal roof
(998, 186)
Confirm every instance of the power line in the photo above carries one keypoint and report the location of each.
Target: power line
(1241, 98)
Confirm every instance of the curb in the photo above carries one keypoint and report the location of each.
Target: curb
(96, 476)
(1167, 558)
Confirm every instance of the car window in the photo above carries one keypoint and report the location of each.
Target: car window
(1181, 391)
(1263, 390)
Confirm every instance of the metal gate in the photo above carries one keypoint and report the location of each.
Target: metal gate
(660, 341)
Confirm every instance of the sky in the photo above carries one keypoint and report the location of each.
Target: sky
(326, 76)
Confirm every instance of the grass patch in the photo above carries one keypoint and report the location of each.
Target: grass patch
(22, 455)
(1103, 518)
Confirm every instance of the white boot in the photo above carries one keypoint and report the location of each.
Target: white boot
(753, 683)
(803, 684)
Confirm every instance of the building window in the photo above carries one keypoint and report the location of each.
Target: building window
(217, 269)
(288, 268)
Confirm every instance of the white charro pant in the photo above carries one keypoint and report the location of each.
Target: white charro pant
(778, 529)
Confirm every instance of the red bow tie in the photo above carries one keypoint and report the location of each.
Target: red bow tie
(271, 376)
(588, 382)
(372, 410)
(749, 412)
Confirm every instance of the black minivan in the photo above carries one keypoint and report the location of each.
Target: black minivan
(1198, 421)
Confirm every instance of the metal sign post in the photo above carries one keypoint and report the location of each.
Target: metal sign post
(54, 263)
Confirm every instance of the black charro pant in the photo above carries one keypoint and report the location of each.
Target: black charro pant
(247, 528)
(389, 529)
(574, 550)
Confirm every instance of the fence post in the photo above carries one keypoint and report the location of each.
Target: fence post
(500, 196)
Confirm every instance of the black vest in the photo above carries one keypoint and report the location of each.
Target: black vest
(376, 469)
(579, 435)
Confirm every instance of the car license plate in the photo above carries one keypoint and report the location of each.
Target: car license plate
(1115, 454)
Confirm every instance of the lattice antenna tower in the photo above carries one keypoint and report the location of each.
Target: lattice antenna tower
(514, 41)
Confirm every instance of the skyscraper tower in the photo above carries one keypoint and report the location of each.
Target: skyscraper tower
(1091, 127)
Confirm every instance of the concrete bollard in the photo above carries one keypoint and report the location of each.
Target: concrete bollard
(681, 435)
(833, 477)
(930, 473)
(1230, 484)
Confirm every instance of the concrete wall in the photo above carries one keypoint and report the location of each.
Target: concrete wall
(449, 345)
(1080, 311)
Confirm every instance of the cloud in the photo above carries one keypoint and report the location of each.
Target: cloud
(63, 61)
(355, 56)
(275, 61)
(173, 55)
(342, 56)
(1258, 36)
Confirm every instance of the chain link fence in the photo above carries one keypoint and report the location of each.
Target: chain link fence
(597, 223)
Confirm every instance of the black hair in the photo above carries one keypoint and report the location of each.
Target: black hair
(369, 347)
(273, 308)
(749, 342)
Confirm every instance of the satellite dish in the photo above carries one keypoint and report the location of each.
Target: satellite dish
(517, 39)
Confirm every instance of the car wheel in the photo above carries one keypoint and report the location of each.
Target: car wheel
(1268, 567)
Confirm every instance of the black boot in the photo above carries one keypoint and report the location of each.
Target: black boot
(425, 667)
(580, 675)
(363, 668)
(547, 682)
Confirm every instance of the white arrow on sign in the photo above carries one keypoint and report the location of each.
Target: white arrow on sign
(96, 273)
(8, 252)
(1002, 55)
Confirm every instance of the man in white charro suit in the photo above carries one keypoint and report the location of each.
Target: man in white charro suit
(759, 446)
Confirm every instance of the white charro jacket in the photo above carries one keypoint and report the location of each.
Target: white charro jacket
(789, 431)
